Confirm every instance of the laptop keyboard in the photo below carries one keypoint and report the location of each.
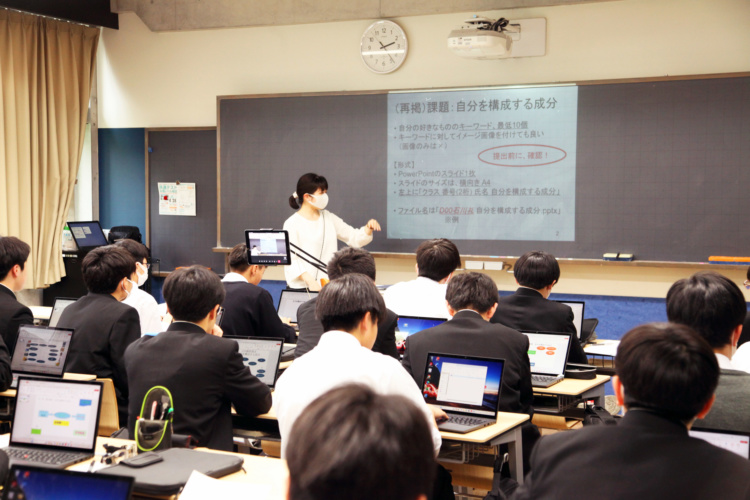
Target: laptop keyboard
(466, 420)
(543, 379)
(45, 457)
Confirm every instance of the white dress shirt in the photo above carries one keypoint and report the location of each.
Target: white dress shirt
(148, 311)
(420, 297)
(740, 360)
(336, 360)
(318, 238)
(234, 278)
(724, 362)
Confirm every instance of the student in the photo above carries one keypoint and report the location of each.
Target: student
(528, 309)
(666, 376)
(248, 308)
(714, 306)
(346, 261)
(425, 296)
(389, 452)
(144, 303)
(203, 372)
(104, 327)
(472, 299)
(349, 308)
(315, 230)
(13, 256)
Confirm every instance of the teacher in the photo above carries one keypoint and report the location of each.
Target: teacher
(315, 230)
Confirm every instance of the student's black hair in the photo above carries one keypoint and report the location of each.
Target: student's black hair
(104, 267)
(238, 258)
(474, 291)
(343, 302)
(351, 260)
(436, 259)
(667, 368)
(709, 303)
(354, 443)
(307, 184)
(137, 250)
(12, 251)
(191, 293)
(536, 270)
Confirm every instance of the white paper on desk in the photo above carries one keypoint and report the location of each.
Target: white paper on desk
(608, 349)
(200, 487)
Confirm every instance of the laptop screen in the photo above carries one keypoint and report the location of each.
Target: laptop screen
(409, 325)
(57, 413)
(577, 307)
(735, 442)
(290, 301)
(548, 352)
(262, 356)
(57, 309)
(87, 234)
(37, 483)
(463, 383)
(41, 350)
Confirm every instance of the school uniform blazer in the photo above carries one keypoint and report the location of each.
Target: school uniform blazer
(12, 315)
(528, 311)
(249, 312)
(469, 334)
(645, 456)
(103, 328)
(205, 376)
(310, 331)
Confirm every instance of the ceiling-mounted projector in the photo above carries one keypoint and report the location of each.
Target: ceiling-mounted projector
(483, 38)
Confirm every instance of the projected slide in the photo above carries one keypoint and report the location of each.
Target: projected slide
(483, 164)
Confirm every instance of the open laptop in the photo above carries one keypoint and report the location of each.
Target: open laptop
(734, 441)
(578, 307)
(88, 235)
(467, 388)
(409, 325)
(548, 355)
(57, 309)
(40, 352)
(40, 483)
(290, 301)
(262, 355)
(54, 422)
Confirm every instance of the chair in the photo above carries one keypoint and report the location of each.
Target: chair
(109, 420)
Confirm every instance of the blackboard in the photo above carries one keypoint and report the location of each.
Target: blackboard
(663, 167)
(185, 156)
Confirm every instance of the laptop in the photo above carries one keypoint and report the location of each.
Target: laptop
(734, 441)
(57, 309)
(40, 352)
(290, 301)
(88, 235)
(578, 307)
(40, 483)
(548, 355)
(262, 355)
(467, 388)
(54, 422)
(409, 325)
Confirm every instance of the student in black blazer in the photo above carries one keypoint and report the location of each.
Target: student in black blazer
(248, 308)
(13, 256)
(103, 326)
(528, 309)
(203, 372)
(666, 376)
(346, 261)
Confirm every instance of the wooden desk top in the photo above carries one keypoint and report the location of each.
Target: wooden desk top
(11, 393)
(573, 387)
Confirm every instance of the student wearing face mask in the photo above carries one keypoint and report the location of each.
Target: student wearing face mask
(315, 230)
(144, 303)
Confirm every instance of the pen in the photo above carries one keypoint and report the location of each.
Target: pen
(153, 410)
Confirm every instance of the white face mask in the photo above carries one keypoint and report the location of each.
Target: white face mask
(142, 278)
(320, 200)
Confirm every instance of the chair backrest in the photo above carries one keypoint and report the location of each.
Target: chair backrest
(109, 421)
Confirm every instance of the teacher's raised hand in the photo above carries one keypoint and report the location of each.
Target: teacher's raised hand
(372, 225)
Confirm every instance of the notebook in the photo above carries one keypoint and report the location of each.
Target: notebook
(290, 301)
(262, 355)
(548, 355)
(41, 483)
(467, 388)
(88, 235)
(578, 307)
(54, 422)
(409, 325)
(57, 309)
(40, 352)
(736, 442)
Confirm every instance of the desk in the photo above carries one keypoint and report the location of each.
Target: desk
(11, 393)
(570, 391)
(603, 352)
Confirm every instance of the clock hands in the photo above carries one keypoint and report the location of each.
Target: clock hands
(382, 47)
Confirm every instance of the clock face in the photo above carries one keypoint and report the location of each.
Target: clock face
(383, 46)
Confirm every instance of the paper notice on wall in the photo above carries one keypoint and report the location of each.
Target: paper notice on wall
(177, 198)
